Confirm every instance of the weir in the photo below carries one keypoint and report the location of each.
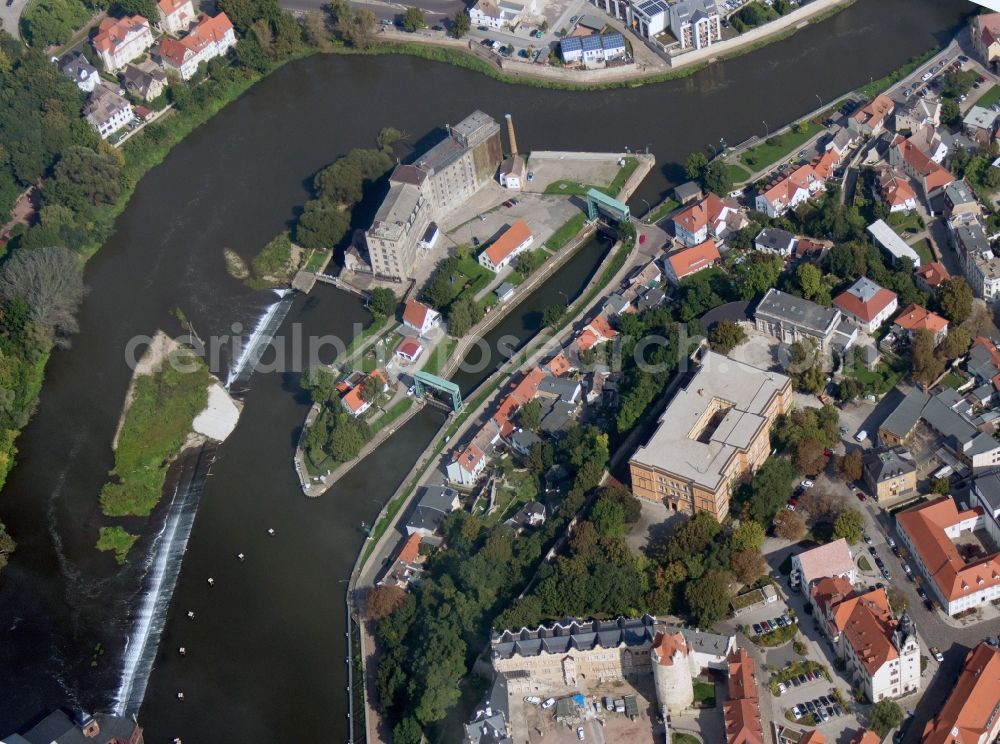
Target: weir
(259, 339)
(166, 556)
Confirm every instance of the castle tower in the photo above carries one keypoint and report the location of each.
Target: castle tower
(672, 672)
(510, 135)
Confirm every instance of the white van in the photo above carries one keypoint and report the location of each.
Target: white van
(861, 435)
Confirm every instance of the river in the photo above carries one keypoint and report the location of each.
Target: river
(265, 652)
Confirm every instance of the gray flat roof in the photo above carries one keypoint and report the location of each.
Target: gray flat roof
(988, 486)
(890, 240)
(906, 414)
(785, 308)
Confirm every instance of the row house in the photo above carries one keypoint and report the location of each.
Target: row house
(921, 111)
(871, 119)
(711, 217)
(211, 38)
(789, 191)
(931, 177)
(120, 40)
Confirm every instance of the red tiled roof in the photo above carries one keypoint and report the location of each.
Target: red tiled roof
(862, 737)
(353, 398)
(524, 391)
(667, 645)
(869, 628)
(469, 457)
(933, 273)
(410, 347)
(915, 317)
(823, 165)
(895, 189)
(415, 313)
(596, 332)
(701, 213)
(875, 112)
(867, 311)
(514, 236)
(209, 30)
(967, 714)
(741, 713)
(558, 365)
(813, 737)
(689, 260)
(925, 526)
(113, 31)
(410, 551)
(935, 176)
(742, 683)
(784, 190)
(171, 6)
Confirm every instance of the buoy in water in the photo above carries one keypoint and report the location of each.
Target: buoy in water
(182, 651)
(241, 557)
(211, 581)
(180, 695)
(190, 615)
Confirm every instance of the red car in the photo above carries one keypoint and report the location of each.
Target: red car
(861, 496)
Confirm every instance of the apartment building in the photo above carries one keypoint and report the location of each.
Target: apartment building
(106, 111)
(175, 16)
(711, 435)
(695, 23)
(971, 710)
(120, 40)
(211, 38)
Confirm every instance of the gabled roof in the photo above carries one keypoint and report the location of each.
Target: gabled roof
(824, 165)
(801, 179)
(513, 237)
(895, 189)
(874, 113)
(690, 260)
(832, 559)
(208, 31)
(933, 273)
(410, 347)
(915, 318)
(935, 176)
(113, 31)
(353, 399)
(558, 365)
(415, 313)
(862, 737)
(701, 213)
(869, 629)
(865, 299)
(597, 331)
(167, 7)
(968, 712)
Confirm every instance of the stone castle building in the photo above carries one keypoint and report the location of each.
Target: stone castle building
(673, 667)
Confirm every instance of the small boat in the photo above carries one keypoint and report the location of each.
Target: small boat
(241, 557)
(180, 695)
(182, 651)
(270, 531)
(211, 581)
(190, 614)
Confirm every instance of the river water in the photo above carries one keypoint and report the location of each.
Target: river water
(265, 659)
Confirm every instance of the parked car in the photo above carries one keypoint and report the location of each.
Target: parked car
(756, 628)
(837, 709)
(807, 483)
(788, 619)
(823, 699)
(921, 593)
(533, 699)
(810, 706)
(579, 733)
(886, 575)
(796, 712)
(879, 562)
(795, 681)
(906, 568)
(861, 435)
(861, 496)
(872, 550)
(866, 537)
(803, 679)
(936, 653)
(782, 688)
(823, 714)
(890, 541)
(548, 703)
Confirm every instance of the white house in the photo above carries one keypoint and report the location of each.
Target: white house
(175, 16)
(419, 317)
(106, 111)
(495, 14)
(211, 38)
(516, 239)
(867, 304)
(789, 192)
(76, 67)
(120, 40)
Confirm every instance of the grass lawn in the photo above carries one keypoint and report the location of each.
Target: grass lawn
(903, 221)
(118, 540)
(923, 249)
(519, 489)
(877, 86)
(738, 173)
(315, 260)
(391, 415)
(663, 210)
(863, 564)
(953, 380)
(883, 378)
(704, 694)
(565, 233)
(576, 188)
(440, 354)
(683, 738)
(156, 425)
(990, 97)
(776, 147)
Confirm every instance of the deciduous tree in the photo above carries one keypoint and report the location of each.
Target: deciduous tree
(748, 536)
(927, 365)
(413, 19)
(50, 281)
(885, 716)
(849, 525)
(809, 456)
(789, 525)
(708, 598)
(383, 302)
(384, 600)
(954, 297)
(748, 565)
(726, 336)
(460, 24)
(850, 465)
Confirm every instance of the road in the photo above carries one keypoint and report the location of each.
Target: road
(10, 16)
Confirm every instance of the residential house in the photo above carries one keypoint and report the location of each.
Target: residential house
(864, 737)
(434, 504)
(696, 24)
(76, 67)
(648, 276)
(467, 464)
(890, 474)
(888, 239)
(870, 120)
(919, 112)
(531, 514)
(928, 532)
(102, 728)
(895, 190)
(649, 19)
(147, 82)
(597, 331)
(915, 318)
(841, 141)
(523, 391)
(522, 440)
(175, 16)
(932, 143)
(592, 50)
(408, 567)
(970, 712)
(980, 264)
(505, 291)
(810, 250)
(949, 414)
(931, 177)
(211, 38)
(617, 303)
(353, 401)
(711, 217)
(420, 317)
(409, 349)
(867, 304)
(687, 192)
(106, 111)
(560, 388)
(496, 14)
(960, 204)
(986, 36)
(712, 434)
(741, 711)
(789, 319)
(789, 191)
(515, 240)
(930, 276)
(980, 124)
(825, 594)
(559, 365)
(688, 261)
(832, 559)
(825, 164)
(120, 40)
(559, 417)
(775, 240)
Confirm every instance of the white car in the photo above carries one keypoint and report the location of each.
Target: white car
(579, 733)
(797, 713)
(782, 688)
(533, 699)
(807, 483)
(861, 435)
(936, 654)
(925, 77)
(548, 703)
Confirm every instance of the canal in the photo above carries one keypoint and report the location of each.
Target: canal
(265, 654)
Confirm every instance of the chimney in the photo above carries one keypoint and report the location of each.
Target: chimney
(510, 135)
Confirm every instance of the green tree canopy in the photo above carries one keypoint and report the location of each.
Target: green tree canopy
(726, 336)
(708, 598)
(954, 297)
(849, 525)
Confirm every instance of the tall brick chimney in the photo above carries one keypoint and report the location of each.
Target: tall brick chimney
(510, 135)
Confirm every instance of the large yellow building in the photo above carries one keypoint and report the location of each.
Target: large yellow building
(713, 434)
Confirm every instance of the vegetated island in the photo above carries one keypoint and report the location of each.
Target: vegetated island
(172, 404)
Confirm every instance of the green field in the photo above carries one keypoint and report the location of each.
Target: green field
(989, 97)
(565, 233)
(923, 249)
(663, 210)
(775, 148)
(704, 694)
(156, 425)
(576, 188)
(440, 354)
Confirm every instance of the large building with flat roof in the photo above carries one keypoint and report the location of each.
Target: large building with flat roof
(789, 319)
(712, 434)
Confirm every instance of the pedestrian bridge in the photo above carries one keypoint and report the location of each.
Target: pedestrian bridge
(600, 204)
(423, 380)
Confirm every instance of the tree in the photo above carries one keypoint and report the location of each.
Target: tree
(530, 415)
(897, 600)
(955, 344)
(717, 178)
(708, 598)
(7, 545)
(748, 565)
(553, 314)
(885, 716)
(991, 178)
(413, 19)
(321, 384)
(383, 600)
(695, 165)
(53, 22)
(758, 272)
(462, 315)
(321, 225)
(849, 388)
(145, 8)
(940, 485)
(357, 27)
(789, 525)
(631, 506)
(460, 24)
(810, 457)
(927, 366)
(407, 731)
(83, 179)
(821, 504)
(770, 489)
(626, 232)
(850, 466)
(608, 518)
(383, 302)
(726, 336)
(50, 281)
(315, 29)
(371, 388)
(810, 280)
(958, 83)
(748, 536)
(951, 114)
(347, 438)
(849, 525)
(954, 297)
